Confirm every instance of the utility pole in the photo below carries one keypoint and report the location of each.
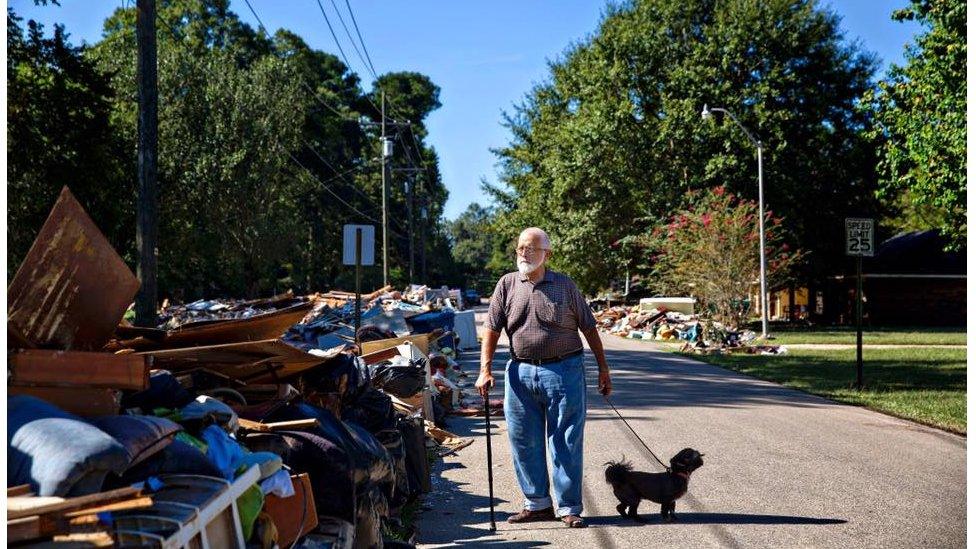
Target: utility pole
(387, 152)
(408, 183)
(146, 210)
(423, 236)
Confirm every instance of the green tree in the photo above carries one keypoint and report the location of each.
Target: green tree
(229, 117)
(614, 139)
(58, 134)
(473, 244)
(263, 150)
(921, 122)
(708, 250)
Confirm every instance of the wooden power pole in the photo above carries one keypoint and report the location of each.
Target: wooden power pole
(146, 208)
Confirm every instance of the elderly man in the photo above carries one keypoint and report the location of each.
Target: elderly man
(545, 390)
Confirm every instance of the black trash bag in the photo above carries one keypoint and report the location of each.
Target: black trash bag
(400, 380)
(373, 410)
(334, 430)
(164, 391)
(373, 333)
(345, 374)
(440, 415)
(328, 466)
(371, 509)
(392, 440)
(415, 454)
(381, 467)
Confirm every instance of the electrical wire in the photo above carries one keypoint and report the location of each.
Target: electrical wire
(179, 39)
(356, 25)
(334, 37)
(351, 39)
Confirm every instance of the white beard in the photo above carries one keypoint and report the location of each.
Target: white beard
(525, 267)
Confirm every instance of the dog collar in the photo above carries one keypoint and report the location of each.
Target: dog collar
(685, 475)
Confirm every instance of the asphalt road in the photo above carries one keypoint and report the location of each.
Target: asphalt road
(782, 468)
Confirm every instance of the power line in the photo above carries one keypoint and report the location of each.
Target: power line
(339, 175)
(355, 24)
(325, 188)
(368, 66)
(315, 95)
(332, 31)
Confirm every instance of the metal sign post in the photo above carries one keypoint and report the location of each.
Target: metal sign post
(357, 249)
(860, 243)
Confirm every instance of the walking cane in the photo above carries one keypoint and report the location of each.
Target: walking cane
(491, 481)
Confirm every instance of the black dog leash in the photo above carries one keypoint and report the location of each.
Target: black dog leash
(639, 439)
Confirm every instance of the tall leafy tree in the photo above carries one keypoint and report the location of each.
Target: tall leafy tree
(608, 147)
(921, 121)
(229, 116)
(58, 106)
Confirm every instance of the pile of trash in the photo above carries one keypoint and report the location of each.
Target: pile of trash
(265, 423)
(698, 335)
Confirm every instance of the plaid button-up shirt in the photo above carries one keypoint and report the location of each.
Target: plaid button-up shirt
(543, 319)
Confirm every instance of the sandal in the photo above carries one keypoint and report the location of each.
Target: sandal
(532, 516)
(573, 521)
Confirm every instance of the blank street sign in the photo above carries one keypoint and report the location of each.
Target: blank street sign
(349, 244)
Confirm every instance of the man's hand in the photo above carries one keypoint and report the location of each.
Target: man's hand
(485, 383)
(605, 386)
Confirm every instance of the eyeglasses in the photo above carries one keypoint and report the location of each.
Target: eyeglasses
(528, 250)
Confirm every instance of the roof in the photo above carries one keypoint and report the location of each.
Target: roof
(916, 252)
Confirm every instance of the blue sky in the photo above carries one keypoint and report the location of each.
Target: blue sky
(485, 55)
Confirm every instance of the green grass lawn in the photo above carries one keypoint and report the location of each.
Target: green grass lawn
(872, 336)
(924, 385)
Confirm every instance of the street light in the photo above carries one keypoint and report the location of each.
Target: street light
(706, 114)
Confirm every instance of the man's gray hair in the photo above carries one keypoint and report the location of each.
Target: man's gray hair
(543, 237)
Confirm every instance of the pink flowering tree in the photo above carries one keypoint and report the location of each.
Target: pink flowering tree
(710, 250)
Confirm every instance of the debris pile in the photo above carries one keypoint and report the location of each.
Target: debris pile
(698, 335)
(264, 423)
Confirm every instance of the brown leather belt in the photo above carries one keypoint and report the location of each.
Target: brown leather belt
(540, 361)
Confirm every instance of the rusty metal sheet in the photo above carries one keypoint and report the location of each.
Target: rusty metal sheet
(72, 288)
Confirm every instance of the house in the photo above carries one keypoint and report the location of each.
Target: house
(911, 280)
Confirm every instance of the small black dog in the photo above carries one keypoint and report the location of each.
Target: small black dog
(631, 486)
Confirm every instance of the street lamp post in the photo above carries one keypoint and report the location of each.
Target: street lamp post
(706, 114)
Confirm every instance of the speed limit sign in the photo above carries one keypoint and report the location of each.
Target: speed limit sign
(860, 236)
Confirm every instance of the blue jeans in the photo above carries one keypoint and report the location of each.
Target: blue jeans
(547, 404)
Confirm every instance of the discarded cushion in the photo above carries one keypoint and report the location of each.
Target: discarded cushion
(57, 453)
(178, 458)
(141, 436)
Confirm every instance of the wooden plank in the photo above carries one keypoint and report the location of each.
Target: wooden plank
(84, 402)
(82, 516)
(72, 288)
(24, 509)
(78, 369)
(28, 528)
(21, 490)
(250, 361)
(420, 340)
(294, 425)
(380, 356)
